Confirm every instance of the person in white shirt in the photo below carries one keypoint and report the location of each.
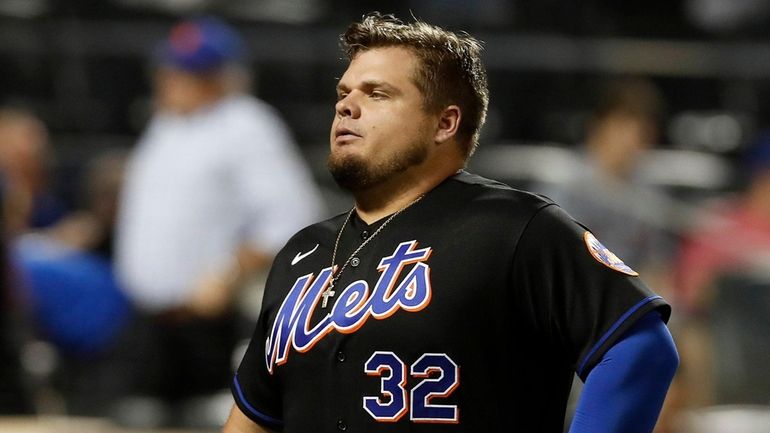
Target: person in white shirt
(214, 189)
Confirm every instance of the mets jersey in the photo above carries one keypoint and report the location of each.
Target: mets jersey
(469, 312)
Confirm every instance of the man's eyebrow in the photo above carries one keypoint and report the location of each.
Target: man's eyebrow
(378, 84)
(370, 84)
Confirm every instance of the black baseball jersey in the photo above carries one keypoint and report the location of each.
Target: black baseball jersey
(468, 312)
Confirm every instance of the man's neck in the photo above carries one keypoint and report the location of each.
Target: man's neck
(399, 192)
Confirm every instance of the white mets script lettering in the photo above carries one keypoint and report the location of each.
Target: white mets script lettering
(353, 307)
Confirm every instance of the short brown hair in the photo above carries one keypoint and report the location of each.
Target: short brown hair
(630, 96)
(451, 70)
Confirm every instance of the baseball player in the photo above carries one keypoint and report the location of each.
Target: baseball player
(443, 301)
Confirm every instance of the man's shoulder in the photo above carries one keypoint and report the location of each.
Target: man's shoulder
(490, 194)
(247, 108)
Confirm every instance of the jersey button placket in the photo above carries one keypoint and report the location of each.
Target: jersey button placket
(341, 356)
(341, 425)
(364, 234)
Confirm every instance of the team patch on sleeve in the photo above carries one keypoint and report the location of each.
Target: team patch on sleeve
(605, 256)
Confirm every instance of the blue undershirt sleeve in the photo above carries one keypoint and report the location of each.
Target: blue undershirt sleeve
(624, 392)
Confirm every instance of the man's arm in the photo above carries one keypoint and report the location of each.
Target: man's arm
(625, 391)
(215, 292)
(240, 423)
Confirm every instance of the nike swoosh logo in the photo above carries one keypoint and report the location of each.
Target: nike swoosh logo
(301, 256)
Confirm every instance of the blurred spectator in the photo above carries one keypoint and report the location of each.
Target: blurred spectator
(216, 186)
(24, 158)
(75, 302)
(631, 218)
(733, 236)
(723, 283)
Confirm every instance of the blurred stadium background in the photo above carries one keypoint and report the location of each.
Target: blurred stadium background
(81, 66)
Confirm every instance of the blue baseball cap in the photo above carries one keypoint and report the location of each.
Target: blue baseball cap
(201, 45)
(757, 157)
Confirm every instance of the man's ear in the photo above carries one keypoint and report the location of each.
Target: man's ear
(448, 123)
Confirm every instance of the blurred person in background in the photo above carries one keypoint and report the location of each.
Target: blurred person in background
(633, 219)
(73, 297)
(733, 235)
(215, 187)
(723, 285)
(24, 173)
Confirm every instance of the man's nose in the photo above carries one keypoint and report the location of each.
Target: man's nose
(348, 106)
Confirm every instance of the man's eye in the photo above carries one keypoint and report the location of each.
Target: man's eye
(341, 96)
(378, 95)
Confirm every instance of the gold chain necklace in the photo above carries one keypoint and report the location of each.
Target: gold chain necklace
(329, 292)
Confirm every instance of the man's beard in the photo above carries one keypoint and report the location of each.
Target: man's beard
(354, 173)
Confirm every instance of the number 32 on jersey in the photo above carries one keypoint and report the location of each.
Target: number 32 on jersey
(438, 376)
